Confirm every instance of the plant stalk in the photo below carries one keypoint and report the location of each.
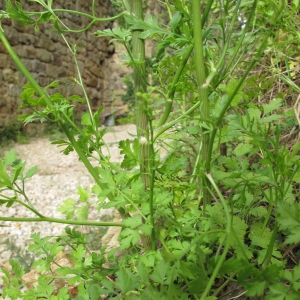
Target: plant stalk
(141, 113)
(61, 221)
(203, 94)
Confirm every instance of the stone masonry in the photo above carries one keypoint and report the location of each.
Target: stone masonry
(47, 57)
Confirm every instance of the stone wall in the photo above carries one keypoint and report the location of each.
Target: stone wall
(46, 56)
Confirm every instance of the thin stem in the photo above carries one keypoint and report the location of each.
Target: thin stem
(29, 207)
(270, 248)
(151, 196)
(226, 248)
(230, 98)
(74, 12)
(172, 90)
(239, 44)
(73, 52)
(203, 92)
(161, 130)
(61, 221)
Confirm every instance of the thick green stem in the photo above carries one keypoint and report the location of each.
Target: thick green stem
(142, 115)
(140, 87)
(203, 93)
(230, 98)
(176, 78)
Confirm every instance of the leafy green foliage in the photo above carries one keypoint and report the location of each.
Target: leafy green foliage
(172, 246)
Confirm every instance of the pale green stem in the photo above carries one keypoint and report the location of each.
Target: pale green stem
(73, 52)
(142, 118)
(203, 93)
(61, 221)
(226, 248)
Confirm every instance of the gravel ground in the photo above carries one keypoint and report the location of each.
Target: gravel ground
(57, 179)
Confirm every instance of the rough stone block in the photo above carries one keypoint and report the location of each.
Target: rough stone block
(2, 49)
(14, 90)
(2, 99)
(44, 55)
(44, 42)
(55, 71)
(11, 34)
(3, 60)
(9, 76)
(97, 71)
(27, 39)
(91, 81)
(56, 59)
(26, 51)
(37, 66)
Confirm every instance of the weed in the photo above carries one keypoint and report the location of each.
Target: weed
(194, 219)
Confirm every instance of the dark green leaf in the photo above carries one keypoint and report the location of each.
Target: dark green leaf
(18, 13)
(126, 281)
(128, 238)
(160, 272)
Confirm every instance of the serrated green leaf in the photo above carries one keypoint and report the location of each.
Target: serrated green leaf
(193, 129)
(67, 208)
(44, 17)
(146, 229)
(270, 119)
(243, 149)
(273, 105)
(94, 292)
(53, 84)
(259, 211)
(133, 222)
(18, 14)
(131, 158)
(84, 195)
(126, 281)
(260, 239)
(76, 98)
(4, 178)
(86, 119)
(62, 294)
(79, 253)
(288, 215)
(118, 34)
(96, 189)
(128, 238)
(82, 213)
(175, 20)
(160, 272)
(149, 26)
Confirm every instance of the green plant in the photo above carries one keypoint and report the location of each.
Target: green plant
(220, 206)
(10, 132)
(22, 256)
